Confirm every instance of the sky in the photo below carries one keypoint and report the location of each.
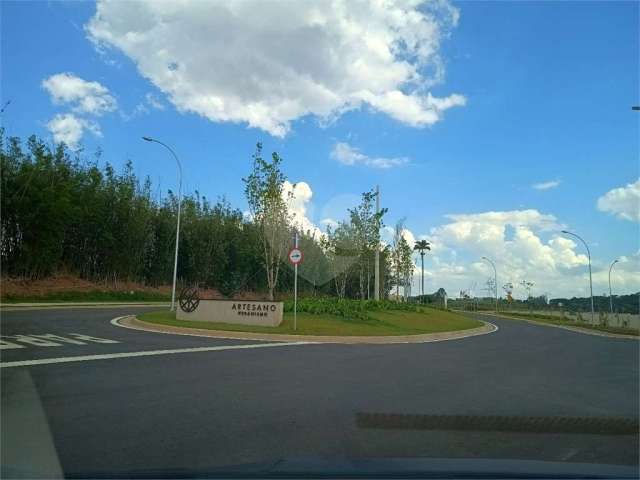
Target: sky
(489, 126)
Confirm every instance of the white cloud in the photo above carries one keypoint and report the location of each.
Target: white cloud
(524, 244)
(348, 155)
(299, 204)
(546, 185)
(69, 129)
(623, 202)
(329, 222)
(153, 101)
(414, 110)
(270, 63)
(408, 236)
(84, 97)
(625, 276)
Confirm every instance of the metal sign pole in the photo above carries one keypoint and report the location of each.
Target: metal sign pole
(295, 287)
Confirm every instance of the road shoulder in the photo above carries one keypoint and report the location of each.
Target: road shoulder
(586, 331)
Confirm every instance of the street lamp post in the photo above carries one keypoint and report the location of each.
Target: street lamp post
(610, 297)
(495, 279)
(175, 261)
(590, 280)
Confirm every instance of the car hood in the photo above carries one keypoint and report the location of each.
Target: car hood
(321, 467)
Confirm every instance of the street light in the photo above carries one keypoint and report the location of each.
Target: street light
(495, 279)
(610, 297)
(590, 280)
(175, 262)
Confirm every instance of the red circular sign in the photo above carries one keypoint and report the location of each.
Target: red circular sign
(295, 256)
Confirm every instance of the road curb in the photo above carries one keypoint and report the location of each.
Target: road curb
(586, 331)
(134, 323)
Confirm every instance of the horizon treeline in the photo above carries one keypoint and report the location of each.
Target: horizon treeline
(65, 212)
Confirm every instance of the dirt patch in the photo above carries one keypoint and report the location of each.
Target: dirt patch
(70, 283)
(17, 287)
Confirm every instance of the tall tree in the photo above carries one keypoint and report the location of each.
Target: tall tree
(422, 246)
(341, 250)
(366, 224)
(264, 191)
(406, 266)
(401, 260)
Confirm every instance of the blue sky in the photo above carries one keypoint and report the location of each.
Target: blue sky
(547, 89)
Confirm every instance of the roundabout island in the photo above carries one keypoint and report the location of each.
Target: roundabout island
(330, 321)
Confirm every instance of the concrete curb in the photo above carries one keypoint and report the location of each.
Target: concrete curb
(136, 324)
(586, 331)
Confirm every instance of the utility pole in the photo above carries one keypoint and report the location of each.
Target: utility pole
(376, 282)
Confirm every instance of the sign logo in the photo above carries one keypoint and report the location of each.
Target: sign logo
(295, 256)
(189, 299)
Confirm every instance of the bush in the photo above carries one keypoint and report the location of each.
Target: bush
(350, 309)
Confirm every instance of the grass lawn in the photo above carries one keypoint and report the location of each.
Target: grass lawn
(557, 321)
(380, 323)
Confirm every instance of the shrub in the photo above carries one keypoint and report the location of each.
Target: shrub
(350, 309)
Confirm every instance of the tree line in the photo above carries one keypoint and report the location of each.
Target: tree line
(65, 212)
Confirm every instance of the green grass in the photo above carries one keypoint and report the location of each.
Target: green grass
(91, 296)
(557, 321)
(388, 322)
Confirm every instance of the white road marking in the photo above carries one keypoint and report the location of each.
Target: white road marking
(49, 340)
(89, 338)
(4, 345)
(58, 338)
(147, 353)
(33, 340)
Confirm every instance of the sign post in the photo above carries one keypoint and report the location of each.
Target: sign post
(295, 257)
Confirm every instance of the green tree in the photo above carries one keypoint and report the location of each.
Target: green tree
(366, 224)
(422, 246)
(402, 262)
(268, 207)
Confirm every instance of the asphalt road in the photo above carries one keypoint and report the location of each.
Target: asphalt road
(216, 408)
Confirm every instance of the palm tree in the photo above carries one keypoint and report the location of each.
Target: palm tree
(422, 246)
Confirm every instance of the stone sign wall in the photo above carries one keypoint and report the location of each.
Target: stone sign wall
(243, 312)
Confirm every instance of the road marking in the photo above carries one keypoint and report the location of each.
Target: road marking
(58, 338)
(4, 345)
(33, 340)
(89, 338)
(147, 353)
(49, 340)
